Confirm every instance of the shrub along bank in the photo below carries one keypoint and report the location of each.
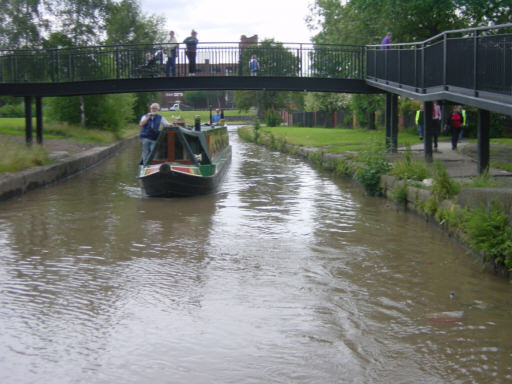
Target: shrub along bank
(426, 189)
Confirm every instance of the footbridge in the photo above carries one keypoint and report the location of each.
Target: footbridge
(468, 66)
(142, 68)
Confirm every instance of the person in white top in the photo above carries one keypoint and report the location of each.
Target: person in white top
(171, 51)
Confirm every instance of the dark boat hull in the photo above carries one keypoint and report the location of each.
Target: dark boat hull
(168, 183)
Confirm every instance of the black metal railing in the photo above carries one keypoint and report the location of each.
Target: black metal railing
(475, 60)
(213, 59)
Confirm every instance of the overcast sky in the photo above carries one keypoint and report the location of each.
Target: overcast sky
(227, 20)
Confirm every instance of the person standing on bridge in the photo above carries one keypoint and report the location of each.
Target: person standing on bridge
(172, 46)
(254, 65)
(150, 128)
(386, 41)
(191, 43)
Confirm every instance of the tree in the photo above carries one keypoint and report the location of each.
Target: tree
(21, 23)
(273, 57)
(367, 21)
(274, 60)
(82, 20)
(125, 23)
(106, 112)
(326, 101)
(203, 99)
(365, 107)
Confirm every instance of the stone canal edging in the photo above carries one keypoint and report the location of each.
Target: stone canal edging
(16, 184)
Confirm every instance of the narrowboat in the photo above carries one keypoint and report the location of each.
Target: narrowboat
(186, 162)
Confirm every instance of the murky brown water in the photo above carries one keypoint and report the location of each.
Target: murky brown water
(283, 276)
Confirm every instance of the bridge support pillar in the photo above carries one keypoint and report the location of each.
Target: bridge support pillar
(394, 123)
(428, 130)
(28, 120)
(39, 120)
(483, 141)
(388, 121)
(391, 122)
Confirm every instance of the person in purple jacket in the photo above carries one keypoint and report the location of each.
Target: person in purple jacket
(386, 41)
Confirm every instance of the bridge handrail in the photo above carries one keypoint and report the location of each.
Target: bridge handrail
(108, 62)
(442, 35)
(474, 64)
(157, 44)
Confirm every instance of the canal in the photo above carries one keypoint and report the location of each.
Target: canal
(283, 276)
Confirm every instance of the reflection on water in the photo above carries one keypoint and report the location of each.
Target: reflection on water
(283, 275)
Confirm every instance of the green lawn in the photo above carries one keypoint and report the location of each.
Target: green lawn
(336, 139)
(16, 126)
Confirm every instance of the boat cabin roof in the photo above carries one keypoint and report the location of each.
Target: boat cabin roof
(185, 146)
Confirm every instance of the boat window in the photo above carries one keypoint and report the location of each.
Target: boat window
(179, 153)
(194, 144)
(161, 150)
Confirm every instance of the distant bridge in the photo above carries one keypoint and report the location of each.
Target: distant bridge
(468, 66)
(141, 68)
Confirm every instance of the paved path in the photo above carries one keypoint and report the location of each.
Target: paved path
(458, 164)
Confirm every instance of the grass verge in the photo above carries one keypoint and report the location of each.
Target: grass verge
(15, 157)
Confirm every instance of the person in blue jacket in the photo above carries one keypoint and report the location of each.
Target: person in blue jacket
(150, 128)
(216, 116)
(254, 65)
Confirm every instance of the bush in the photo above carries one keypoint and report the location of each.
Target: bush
(343, 167)
(12, 110)
(374, 165)
(409, 169)
(316, 157)
(491, 233)
(453, 217)
(399, 193)
(431, 206)
(483, 181)
(443, 187)
(272, 119)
